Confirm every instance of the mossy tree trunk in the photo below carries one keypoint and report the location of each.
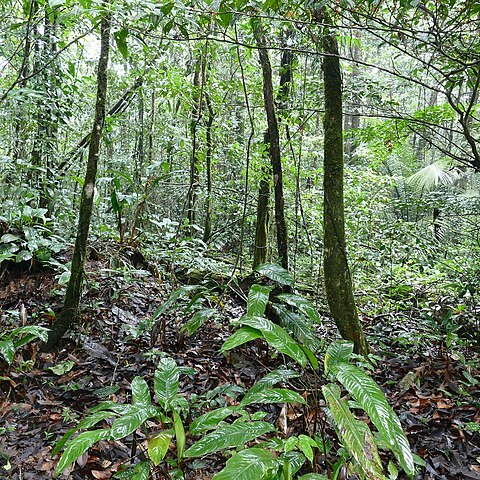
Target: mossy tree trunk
(338, 282)
(71, 303)
(273, 144)
(260, 251)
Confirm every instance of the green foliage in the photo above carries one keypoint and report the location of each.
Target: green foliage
(130, 417)
(370, 397)
(12, 340)
(275, 273)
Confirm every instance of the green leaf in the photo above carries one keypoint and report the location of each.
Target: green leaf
(197, 320)
(87, 422)
(270, 379)
(210, 420)
(276, 337)
(140, 391)
(28, 333)
(131, 420)
(275, 273)
(339, 351)
(302, 304)
(121, 40)
(62, 368)
(300, 327)
(79, 445)
(241, 336)
(290, 444)
(249, 464)
(140, 471)
(179, 435)
(273, 395)
(313, 476)
(305, 444)
(166, 382)
(354, 434)
(257, 299)
(174, 296)
(158, 446)
(371, 398)
(8, 238)
(7, 349)
(227, 436)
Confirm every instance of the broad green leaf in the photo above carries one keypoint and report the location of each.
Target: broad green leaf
(7, 349)
(28, 333)
(270, 379)
(62, 367)
(227, 436)
(300, 326)
(241, 336)
(87, 422)
(79, 445)
(118, 408)
(158, 446)
(370, 396)
(179, 435)
(130, 421)
(249, 464)
(302, 304)
(305, 444)
(275, 273)
(174, 296)
(8, 238)
(276, 337)
(339, 351)
(140, 391)
(166, 382)
(290, 444)
(210, 420)
(121, 40)
(273, 395)
(140, 471)
(198, 319)
(257, 299)
(354, 434)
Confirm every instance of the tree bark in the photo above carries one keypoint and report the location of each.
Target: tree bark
(207, 232)
(273, 145)
(260, 251)
(198, 84)
(71, 303)
(338, 282)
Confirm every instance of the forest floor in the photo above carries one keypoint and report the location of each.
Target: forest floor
(48, 393)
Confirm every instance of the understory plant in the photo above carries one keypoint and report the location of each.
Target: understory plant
(161, 420)
(346, 388)
(296, 339)
(12, 340)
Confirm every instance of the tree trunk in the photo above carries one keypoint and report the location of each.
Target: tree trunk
(274, 145)
(71, 303)
(260, 251)
(338, 283)
(207, 232)
(198, 83)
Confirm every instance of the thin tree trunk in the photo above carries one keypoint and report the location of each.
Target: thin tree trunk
(260, 251)
(274, 145)
(338, 282)
(208, 161)
(198, 83)
(71, 303)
